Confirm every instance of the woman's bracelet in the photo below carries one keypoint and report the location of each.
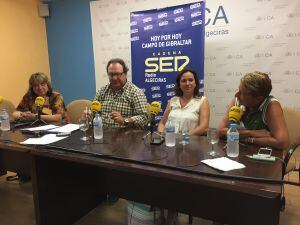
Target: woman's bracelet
(250, 140)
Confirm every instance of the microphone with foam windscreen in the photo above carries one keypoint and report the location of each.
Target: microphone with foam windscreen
(235, 114)
(95, 107)
(39, 103)
(155, 108)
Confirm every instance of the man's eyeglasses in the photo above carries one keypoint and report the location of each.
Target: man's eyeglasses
(114, 74)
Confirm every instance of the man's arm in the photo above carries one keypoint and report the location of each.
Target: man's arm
(139, 117)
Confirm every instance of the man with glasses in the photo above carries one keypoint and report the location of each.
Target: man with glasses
(122, 103)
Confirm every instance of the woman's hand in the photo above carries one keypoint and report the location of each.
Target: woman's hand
(27, 116)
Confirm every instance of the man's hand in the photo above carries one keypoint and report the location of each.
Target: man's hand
(117, 117)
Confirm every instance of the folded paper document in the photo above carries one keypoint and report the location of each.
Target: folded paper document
(223, 164)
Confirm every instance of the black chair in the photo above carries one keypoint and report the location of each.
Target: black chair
(288, 156)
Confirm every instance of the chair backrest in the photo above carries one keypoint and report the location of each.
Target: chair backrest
(292, 119)
(75, 109)
(10, 108)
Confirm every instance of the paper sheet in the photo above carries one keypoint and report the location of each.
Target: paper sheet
(67, 128)
(46, 139)
(45, 127)
(223, 164)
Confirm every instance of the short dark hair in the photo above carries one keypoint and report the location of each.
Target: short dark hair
(120, 61)
(178, 91)
(38, 78)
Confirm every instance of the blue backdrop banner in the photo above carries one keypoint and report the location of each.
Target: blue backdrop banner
(163, 42)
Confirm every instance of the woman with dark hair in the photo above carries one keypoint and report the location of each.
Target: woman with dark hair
(53, 108)
(187, 106)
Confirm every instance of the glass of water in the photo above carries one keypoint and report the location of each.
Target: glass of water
(213, 138)
(184, 130)
(84, 126)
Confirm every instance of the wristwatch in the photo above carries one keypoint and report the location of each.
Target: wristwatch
(126, 122)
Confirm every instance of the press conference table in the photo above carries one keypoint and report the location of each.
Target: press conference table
(71, 178)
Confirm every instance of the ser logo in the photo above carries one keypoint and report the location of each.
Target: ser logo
(155, 88)
(171, 93)
(169, 86)
(166, 64)
(157, 95)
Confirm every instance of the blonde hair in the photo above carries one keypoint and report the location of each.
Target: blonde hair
(38, 78)
(257, 83)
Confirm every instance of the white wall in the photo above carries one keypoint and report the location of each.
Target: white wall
(241, 36)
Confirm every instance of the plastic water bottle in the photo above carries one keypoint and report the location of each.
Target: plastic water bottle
(232, 149)
(5, 125)
(170, 133)
(98, 127)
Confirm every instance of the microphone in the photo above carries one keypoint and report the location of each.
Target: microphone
(155, 107)
(235, 114)
(39, 103)
(95, 107)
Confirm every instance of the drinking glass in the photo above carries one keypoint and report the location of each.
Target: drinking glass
(213, 138)
(84, 126)
(184, 130)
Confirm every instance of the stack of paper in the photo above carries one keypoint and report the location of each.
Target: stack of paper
(49, 138)
(223, 164)
(67, 128)
(41, 128)
(46, 139)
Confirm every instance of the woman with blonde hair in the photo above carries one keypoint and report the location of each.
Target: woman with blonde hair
(40, 86)
(263, 122)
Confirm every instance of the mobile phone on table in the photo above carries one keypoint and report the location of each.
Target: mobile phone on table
(265, 152)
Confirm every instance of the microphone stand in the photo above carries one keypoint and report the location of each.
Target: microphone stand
(153, 140)
(38, 120)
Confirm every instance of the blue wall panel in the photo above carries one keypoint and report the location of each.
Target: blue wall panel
(70, 44)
